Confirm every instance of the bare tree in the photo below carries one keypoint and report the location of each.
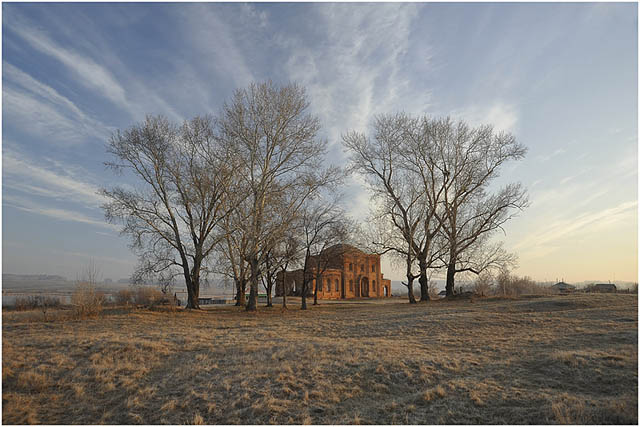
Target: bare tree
(465, 161)
(172, 217)
(483, 284)
(405, 201)
(232, 250)
(274, 139)
(326, 227)
(383, 237)
(322, 224)
(86, 299)
(270, 269)
(287, 252)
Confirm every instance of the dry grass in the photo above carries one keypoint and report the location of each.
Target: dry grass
(548, 360)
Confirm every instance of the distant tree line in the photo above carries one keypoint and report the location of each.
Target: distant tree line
(249, 192)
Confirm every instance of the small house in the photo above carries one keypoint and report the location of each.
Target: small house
(604, 288)
(563, 288)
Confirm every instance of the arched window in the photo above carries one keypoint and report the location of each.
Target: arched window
(350, 266)
(337, 286)
(328, 285)
(373, 285)
(351, 285)
(373, 268)
(361, 267)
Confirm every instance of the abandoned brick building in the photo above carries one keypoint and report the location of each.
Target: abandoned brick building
(346, 272)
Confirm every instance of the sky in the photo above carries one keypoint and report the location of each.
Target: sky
(561, 77)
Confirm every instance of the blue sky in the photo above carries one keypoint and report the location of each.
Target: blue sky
(561, 77)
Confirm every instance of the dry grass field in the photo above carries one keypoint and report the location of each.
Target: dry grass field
(562, 359)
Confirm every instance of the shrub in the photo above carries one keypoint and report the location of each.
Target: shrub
(483, 284)
(22, 303)
(124, 297)
(433, 292)
(148, 296)
(86, 301)
(511, 285)
(31, 302)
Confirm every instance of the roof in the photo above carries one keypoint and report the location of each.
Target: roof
(562, 285)
(334, 255)
(605, 285)
(342, 248)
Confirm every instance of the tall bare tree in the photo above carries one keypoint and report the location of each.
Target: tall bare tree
(232, 250)
(324, 224)
(383, 237)
(404, 200)
(172, 216)
(270, 270)
(274, 138)
(287, 252)
(462, 163)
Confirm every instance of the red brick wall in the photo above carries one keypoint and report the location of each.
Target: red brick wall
(356, 268)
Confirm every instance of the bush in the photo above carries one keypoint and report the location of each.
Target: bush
(22, 303)
(433, 292)
(148, 296)
(86, 301)
(511, 285)
(36, 301)
(483, 283)
(124, 297)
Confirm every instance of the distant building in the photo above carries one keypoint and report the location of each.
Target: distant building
(563, 288)
(603, 288)
(349, 273)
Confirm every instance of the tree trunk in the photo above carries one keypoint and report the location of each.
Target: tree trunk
(252, 305)
(269, 287)
(315, 292)
(451, 273)
(192, 295)
(304, 294)
(424, 286)
(240, 293)
(192, 291)
(269, 278)
(284, 288)
(304, 280)
(412, 298)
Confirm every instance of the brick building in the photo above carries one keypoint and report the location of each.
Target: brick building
(347, 272)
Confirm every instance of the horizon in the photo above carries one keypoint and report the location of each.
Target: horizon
(561, 77)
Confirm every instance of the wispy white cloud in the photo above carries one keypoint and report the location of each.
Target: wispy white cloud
(125, 91)
(539, 242)
(31, 206)
(23, 174)
(357, 71)
(554, 153)
(41, 110)
(503, 116)
(89, 73)
(212, 38)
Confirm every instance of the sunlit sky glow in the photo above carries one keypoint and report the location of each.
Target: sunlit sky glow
(561, 77)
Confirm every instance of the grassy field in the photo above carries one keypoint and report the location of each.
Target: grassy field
(562, 359)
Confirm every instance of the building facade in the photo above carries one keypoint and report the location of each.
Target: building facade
(341, 272)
